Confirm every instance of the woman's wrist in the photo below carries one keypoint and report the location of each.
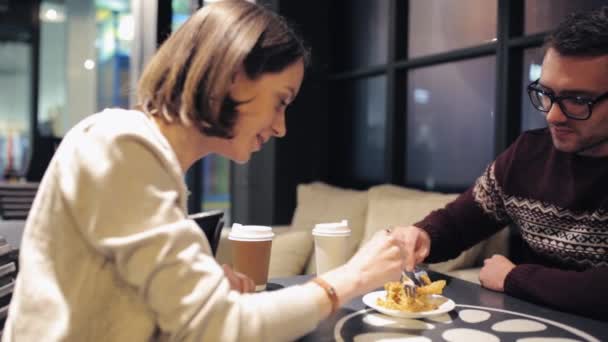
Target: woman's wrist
(345, 281)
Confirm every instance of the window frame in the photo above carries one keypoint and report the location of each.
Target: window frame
(508, 49)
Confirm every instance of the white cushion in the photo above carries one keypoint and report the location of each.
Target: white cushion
(392, 205)
(289, 254)
(321, 203)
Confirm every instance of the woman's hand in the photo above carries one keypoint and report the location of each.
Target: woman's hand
(238, 281)
(378, 261)
(415, 242)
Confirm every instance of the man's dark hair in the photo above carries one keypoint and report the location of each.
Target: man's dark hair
(582, 34)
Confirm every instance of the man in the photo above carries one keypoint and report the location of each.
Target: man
(551, 183)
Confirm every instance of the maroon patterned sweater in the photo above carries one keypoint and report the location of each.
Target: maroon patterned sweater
(559, 202)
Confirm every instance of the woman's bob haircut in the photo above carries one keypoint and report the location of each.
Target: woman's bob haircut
(188, 79)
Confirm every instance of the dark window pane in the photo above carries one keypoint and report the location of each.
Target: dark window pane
(439, 25)
(545, 15)
(450, 123)
(369, 116)
(531, 118)
(360, 33)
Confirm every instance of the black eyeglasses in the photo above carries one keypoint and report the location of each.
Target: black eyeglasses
(573, 107)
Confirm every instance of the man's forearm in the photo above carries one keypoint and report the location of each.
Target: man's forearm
(578, 292)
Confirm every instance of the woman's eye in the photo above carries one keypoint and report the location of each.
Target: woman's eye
(282, 105)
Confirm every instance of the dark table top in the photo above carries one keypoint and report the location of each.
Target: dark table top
(480, 315)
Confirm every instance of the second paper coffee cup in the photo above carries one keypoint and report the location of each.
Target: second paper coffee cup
(251, 252)
(331, 245)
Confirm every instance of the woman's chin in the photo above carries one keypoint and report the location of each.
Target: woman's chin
(242, 158)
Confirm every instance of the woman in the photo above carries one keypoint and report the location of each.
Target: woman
(108, 253)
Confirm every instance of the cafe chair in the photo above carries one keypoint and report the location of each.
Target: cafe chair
(211, 223)
(8, 272)
(16, 200)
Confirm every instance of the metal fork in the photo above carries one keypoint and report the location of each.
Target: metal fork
(410, 291)
(411, 281)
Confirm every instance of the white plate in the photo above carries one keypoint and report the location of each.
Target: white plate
(370, 300)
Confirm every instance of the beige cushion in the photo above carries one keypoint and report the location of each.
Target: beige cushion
(392, 205)
(468, 274)
(495, 244)
(321, 203)
(289, 254)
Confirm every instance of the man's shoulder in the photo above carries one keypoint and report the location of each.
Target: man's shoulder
(536, 136)
(532, 144)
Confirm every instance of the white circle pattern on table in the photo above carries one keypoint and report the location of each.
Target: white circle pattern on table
(568, 328)
(379, 320)
(546, 339)
(468, 335)
(390, 337)
(444, 318)
(530, 325)
(519, 325)
(474, 316)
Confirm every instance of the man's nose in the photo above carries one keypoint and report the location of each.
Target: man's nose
(555, 115)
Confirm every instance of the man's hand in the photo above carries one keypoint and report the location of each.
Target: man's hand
(238, 281)
(415, 243)
(494, 272)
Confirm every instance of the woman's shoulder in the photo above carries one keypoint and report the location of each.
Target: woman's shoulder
(116, 122)
(115, 127)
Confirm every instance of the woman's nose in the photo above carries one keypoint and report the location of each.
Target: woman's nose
(279, 129)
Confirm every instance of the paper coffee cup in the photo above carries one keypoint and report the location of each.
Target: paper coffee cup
(331, 245)
(251, 252)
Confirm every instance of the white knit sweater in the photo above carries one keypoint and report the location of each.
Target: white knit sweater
(109, 255)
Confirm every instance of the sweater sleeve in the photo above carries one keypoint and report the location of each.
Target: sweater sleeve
(581, 292)
(473, 216)
(124, 201)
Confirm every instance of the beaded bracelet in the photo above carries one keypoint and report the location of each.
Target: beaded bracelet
(331, 293)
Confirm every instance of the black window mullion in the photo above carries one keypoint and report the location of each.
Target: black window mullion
(163, 20)
(35, 77)
(507, 117)
(398, 89)
(390, 145)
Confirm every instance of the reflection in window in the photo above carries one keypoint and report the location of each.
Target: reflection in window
(84, 60)
(450, 123)
(215, 170)
(216, 183)
(531, 118)
(181, 12)
(438, 25)
(362, 39)
(15, 108)
(545, 15)
(369, 115)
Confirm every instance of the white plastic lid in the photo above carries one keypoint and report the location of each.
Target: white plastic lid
(332, 229)
(250, 233)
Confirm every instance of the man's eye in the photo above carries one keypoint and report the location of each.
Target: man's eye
(578, 100)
